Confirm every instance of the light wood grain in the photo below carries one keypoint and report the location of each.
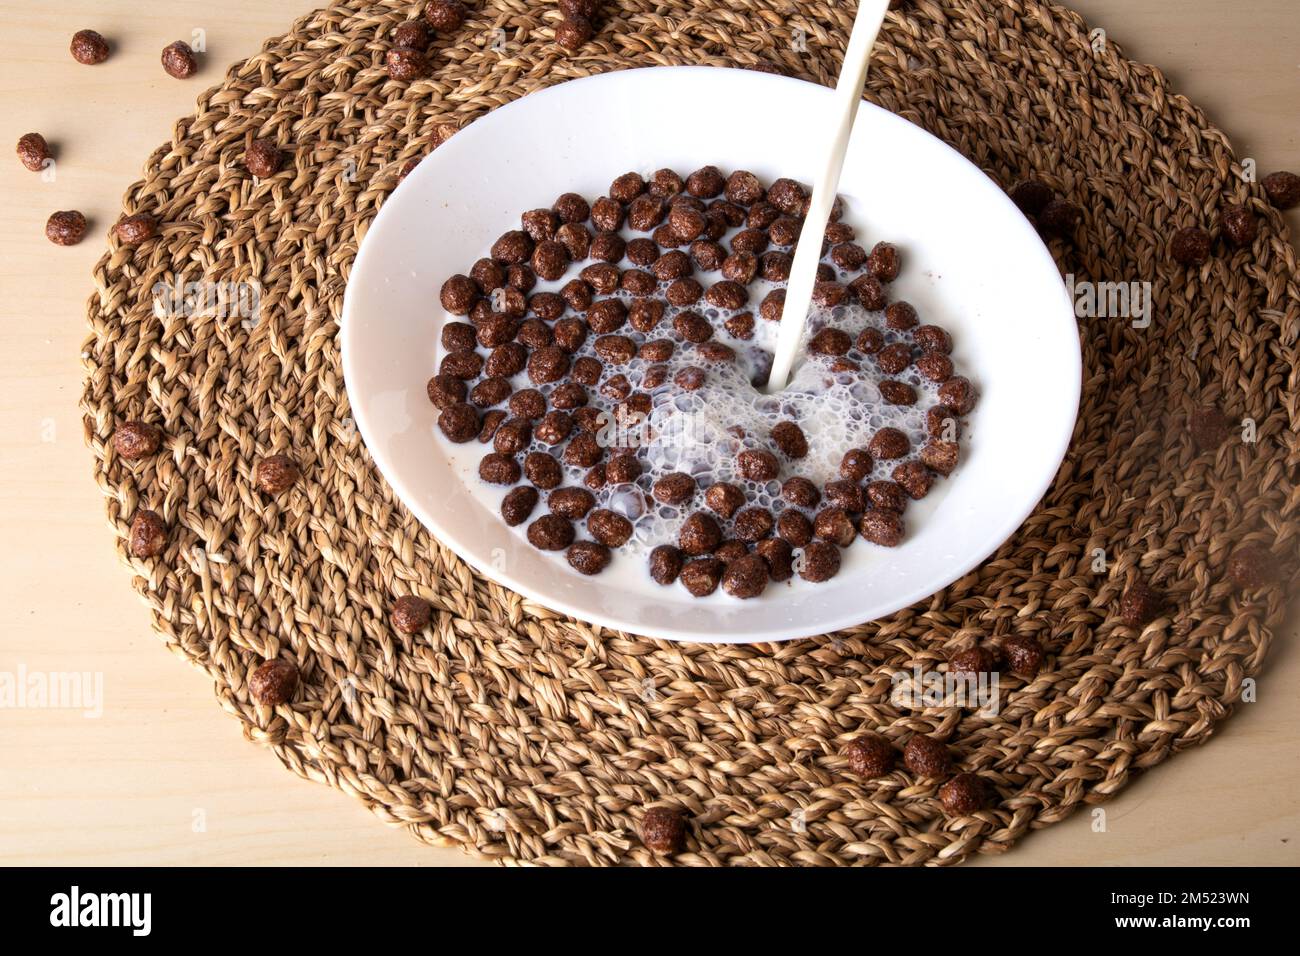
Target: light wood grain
(133, 785)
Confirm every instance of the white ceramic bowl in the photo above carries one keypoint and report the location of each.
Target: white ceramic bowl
(973, 264)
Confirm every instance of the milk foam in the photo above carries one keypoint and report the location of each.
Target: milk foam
(701, 432)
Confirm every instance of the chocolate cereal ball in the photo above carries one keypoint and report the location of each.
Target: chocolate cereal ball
(513, 436)
(623, 468)
(463, 364)
(459, 336)
(692, 326)
(775, 267)
(148, 535)
(887, 496)
(932, 338)
(701, 576)
(571, 503)
(644, 213)
(583, 450)
(540, 224)
(513, 247)
(445, 15)
(926, 757)
(705, 183)
(830, 341)
(132, 230)
(1190, 246)
(674, 488)
(745, 577)
(794, 528)
(800, 492)
(872, 342)
(550, 533)
(743, 188)
(492, 420)
(136, 439)
(406, 63)
(458, 295)
(459, 422)
(274, 682)
(699, 534)
(412, 33)
(846, 494)
(276, 474)
(588, 557)
(871, 756)
(790, 439)
(663, 830)
(1023, 654)
(488, 275)
(973, 661)
(849, 256)
(665, 184)
(610, 247)
(724, 499)
(543, 470)
(686, 223)
(914, 478)
(548, 365)
(888, 443)
(518, 505)
(609, 528)
(727, 295)
(1032, 195)
(940, 456)
(1251, 566)
(900, 316)
(577, 240)
(884, 528)
(935, 366)
(1239, 225)
(828, 294)
(963, 795)
(819, 562)
(788, 196)
(1060, 217)
(835, 526)
(856, 464)
(741, 325)
(1139, 604)
(730, 550)
(883, 263)
(665, 564)
(88, 47)
(958, 394)
(506, 360)
(573, 33)
(779, 557)
(498, 468)
(33, 151)
(411, 614)
(65, 228)
(1282, 189)
(445, 390)
(941, 422)
(757, 465)
(753, 524)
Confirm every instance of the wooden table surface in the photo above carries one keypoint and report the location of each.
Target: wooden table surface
(162, 776)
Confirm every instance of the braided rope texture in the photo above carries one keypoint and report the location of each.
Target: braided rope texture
(523, 736)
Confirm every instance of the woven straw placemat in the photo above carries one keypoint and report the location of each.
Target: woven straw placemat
(520, 735)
